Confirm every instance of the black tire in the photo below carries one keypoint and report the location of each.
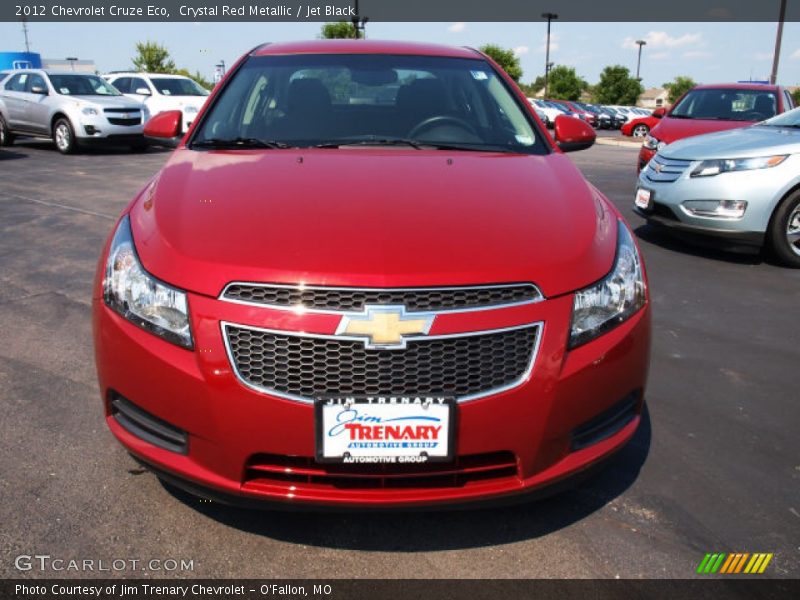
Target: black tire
(6, 137)
(783, 233)
(64, 136)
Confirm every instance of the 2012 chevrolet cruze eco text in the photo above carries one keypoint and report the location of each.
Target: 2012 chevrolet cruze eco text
(367, 276)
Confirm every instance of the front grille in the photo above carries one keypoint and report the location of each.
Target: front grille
(671, 169)
(126, 122)
(414, 299)
(305, 368)
(300, 471)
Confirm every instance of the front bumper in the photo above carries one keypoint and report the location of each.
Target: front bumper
(228, 424)
(762, 190)
(97, 129)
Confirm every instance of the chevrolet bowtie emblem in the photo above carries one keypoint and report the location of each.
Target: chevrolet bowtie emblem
(658, 167)
(385, 327)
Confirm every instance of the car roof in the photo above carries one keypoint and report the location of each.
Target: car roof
(364, 47)
(737, 86)
(143, 74)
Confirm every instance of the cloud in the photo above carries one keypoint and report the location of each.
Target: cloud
(554, 39)
(457, 27)
(660, 56)
(661, 39)
(696, 54)
(520, 50)
(795, 55)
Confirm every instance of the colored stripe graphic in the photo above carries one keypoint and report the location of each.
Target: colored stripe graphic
(734, 563)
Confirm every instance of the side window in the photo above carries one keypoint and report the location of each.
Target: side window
(11, 83)
(35, 81)
(17, 83)
(136, 83)
(788, 100)
(123, 84)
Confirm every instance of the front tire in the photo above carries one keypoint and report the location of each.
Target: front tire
(6, 137)
(640, 131)
(64, 136)
(784, 231)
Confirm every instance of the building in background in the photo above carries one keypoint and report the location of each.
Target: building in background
(79, 66)
(654, 98)
(20, 60)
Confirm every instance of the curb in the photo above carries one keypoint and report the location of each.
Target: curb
(605, 141)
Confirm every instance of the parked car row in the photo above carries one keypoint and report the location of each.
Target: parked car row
(724, 161)
(600, 117)
(78, 109)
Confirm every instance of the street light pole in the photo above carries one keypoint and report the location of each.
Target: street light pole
(639, 62)
(776, 57)
(550, 17)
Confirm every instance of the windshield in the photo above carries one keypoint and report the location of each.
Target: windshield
(82, 85)
(173, 86)
(340, 99)
(726, 105)
(787, 119)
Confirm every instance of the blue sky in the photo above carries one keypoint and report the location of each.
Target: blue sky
(708, 52)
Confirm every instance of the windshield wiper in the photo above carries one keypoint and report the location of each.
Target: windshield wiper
(372, 141)
(239, 142)
(418, 144)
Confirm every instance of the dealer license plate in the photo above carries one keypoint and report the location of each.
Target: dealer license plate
(643, 198)
(380, 430)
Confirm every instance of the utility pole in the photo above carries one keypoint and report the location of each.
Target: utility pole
(550, 17)
(639, 62)
(359, 24)
(776, 57)
(25, 33)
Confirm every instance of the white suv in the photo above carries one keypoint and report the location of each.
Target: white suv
(161, 92)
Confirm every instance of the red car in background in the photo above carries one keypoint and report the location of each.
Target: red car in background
(368, 276)
(582, 113)
(640, 127)
(710, 108)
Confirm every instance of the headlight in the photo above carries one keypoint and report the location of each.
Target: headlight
(652, 143)
(190, 110)
(139, 297)
(615, 299)
(90, 111)
(707, 168)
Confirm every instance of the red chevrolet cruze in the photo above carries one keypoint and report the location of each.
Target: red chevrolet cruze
(368, 277)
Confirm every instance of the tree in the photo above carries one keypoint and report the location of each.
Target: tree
(796, 96)
(678, 87)
(616, 86)
(153, 58)
(505, 58)
(340, 30)
(564, 83)
(534, 87)
(197, 76)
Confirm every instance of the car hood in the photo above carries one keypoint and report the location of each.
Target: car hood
(110, 101)
(669, 130)
(758, 140)
(372, 218)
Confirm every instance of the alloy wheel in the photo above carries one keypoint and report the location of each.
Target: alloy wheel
(639, 131)
(793, 230)
(62, 136)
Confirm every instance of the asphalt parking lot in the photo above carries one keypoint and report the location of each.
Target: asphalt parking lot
(714, 468)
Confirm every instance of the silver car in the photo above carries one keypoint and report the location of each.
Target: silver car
(742, 186)
(72, 109)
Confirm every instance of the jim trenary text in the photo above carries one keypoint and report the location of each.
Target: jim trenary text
(126, 590)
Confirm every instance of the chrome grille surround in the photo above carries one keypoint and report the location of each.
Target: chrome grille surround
(665, 170)
(337, 300)
(375, 363)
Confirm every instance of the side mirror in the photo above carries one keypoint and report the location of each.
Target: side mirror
(165, 128)
(38, 89)
(659, 113)
(143, 91)
(573, 134)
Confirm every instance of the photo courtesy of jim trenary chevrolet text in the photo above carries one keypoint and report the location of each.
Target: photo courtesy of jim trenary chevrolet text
(395, 299)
